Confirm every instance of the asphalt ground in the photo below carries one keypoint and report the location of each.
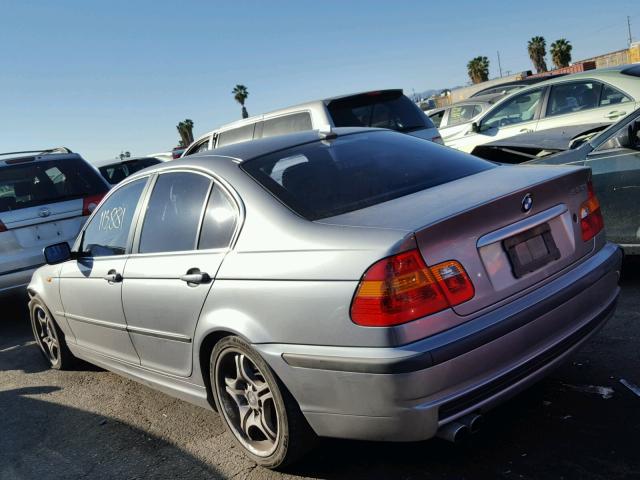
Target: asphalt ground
(581, 422)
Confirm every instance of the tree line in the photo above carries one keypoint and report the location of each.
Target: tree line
(478, 67)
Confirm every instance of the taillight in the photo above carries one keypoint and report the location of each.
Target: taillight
(89, 204)
(3, 228)
(437, 139)
(402, 288)
(591, 220)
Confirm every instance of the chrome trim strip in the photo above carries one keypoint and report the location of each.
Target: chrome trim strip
(126, 328)
(100, 323)
(522, 225)
(159, 334)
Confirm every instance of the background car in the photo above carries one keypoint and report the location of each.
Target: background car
(510, 87)
(358, 283)
(595, 96)
(45, 197)
(614, 159)
(452, 119)
(382, 109)
(116, 171)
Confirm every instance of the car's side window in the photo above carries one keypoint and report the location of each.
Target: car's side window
(173, 213)
(612, 96)
(573, 97)
(220, 220)
(437, 117)
(628, 136)
(235, 135)
(108, 232)
(461, 114)
(296, 122)
(521, 108)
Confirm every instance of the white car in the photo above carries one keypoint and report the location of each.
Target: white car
(381, 109)
(596, 96)
(453, 119)
(45, 197)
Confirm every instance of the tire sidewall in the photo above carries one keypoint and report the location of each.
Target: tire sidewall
(278, 456)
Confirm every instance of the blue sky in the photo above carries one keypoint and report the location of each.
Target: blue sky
(101, 77)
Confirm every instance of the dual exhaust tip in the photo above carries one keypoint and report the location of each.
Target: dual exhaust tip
(461, 428)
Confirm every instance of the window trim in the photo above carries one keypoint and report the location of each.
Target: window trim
(214, 180)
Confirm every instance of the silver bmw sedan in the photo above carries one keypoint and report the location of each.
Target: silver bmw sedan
(354, 283)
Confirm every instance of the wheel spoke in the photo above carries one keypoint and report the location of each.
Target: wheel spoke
(246, 414)
(263, 392)
(241, 369)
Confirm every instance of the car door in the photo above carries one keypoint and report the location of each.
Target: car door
(583, 102)
(615, 167)
(179, 246)
(515, 115)
(91, 286)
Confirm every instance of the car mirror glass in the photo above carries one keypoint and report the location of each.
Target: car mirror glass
(57, 253)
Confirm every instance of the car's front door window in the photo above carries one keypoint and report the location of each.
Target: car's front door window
(521, 108)
(108, 232)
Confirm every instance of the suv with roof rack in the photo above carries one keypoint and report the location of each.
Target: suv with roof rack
(381, 109)
(45, 197)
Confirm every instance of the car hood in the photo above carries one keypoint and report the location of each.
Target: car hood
(528, 146)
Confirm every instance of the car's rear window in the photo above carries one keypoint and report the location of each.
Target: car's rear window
(387, 109)
(36, 183)
(327, 178)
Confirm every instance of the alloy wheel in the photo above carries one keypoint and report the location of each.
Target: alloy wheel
(46, 335)
(247, 402)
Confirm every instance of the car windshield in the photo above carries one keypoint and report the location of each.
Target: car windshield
(390, 109)
(323, 179)
(34, 183)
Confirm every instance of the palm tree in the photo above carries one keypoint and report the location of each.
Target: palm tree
(240, 93)
(561, 53)
(478, 69)
(537, 50)
(185, 129)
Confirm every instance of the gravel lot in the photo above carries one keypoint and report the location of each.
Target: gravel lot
(94, 424)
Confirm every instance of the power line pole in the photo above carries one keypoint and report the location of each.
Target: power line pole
(629, 28)
(500, 66)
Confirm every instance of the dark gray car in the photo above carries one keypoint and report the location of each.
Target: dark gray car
(359, 284)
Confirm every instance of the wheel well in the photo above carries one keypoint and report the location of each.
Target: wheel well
(205, 357)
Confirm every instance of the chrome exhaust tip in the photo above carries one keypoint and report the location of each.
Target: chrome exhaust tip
(453, 432)
(472, 421)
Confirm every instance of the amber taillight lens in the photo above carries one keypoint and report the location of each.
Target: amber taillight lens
(591, 221)
(402, 288)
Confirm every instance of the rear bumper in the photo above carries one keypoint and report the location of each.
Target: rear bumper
(406, 393)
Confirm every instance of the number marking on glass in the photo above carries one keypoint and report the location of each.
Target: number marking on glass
(112, 219)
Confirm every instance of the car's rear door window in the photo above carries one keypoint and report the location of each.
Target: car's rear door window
(296, 122)
(174, 212)
(387, 109)
(612, 96)
(324, 179)
(34, 183)
(220, 220)
(235, 135)
(573, 97)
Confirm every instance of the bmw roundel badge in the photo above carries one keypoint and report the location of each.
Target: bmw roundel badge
(527, 203)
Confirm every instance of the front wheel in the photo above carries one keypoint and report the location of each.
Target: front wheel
(257, 409)
(48, 336)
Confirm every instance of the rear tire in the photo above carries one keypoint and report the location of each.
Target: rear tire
(262, 416)
(49, 337)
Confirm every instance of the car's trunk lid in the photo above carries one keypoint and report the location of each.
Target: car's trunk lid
(470, 219)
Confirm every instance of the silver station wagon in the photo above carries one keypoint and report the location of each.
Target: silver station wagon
(356, 283)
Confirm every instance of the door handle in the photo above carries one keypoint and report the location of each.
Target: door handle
(615, 114)
(113, 277)
(526, 130)
(195, 277)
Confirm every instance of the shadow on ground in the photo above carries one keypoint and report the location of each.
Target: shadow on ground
(41, 439)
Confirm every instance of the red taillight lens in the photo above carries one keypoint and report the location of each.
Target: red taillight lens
(591, 220)
(3, 228)
(402, 288)
(89, 204)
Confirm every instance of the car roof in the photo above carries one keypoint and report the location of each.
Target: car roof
(61, 153)
(244, 151)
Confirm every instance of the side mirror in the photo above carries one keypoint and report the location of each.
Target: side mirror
(475, 127)
(58, 253)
